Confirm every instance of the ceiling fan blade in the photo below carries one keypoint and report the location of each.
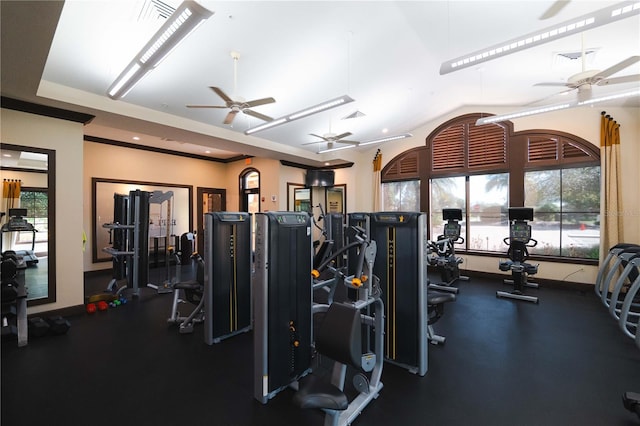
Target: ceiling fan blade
(229, 118)
(348, 142)
(257, 115)
(257, 102)
(617, 67)
(554, 9)
(618, 80)
(206, 106)
(551, 83)
(311, 143)
(342, 135)
(318, 136)
(223, 95)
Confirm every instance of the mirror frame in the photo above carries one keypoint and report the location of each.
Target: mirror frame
(340, 191)
(95, 209)
(51, 217)
(292, 188)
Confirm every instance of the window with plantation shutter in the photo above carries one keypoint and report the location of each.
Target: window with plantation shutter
(547, 150)
(462, 145)
(486, 169)
(407, 166)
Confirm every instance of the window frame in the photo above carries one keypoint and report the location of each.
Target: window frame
(570, 151)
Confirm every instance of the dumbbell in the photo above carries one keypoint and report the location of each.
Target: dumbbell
(58, 325)
(38, 327)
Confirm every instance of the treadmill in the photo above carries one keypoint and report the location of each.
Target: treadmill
(17, 223)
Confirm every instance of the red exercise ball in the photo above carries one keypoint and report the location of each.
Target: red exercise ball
(91, 308)
(102, 305)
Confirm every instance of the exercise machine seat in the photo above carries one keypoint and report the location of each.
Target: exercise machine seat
(438, 298)
(435, 304)
(339, 338)
(318, 393)
(435, 310)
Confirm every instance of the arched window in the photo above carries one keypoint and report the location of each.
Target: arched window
(486, 169)
(250, 191)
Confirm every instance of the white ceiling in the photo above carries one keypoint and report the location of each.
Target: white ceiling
(385, 55)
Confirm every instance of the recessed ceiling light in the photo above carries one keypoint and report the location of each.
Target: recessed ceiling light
(207, 152)
(6, 155)
(136, 138)
(385, 130)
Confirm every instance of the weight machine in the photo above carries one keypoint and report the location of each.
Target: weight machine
(282, 301)
(402, 268)
(191, 291)
(340, 338)
(129, 236)
(443, 253)
(518, 241)
(333, 241)
(227, 277)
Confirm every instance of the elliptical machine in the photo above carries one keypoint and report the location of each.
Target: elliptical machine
(518, 241)
(443, 253)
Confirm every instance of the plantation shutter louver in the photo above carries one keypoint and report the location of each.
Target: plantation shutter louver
(448, 148)
(487, 146)
(542, 149)
(571, 151)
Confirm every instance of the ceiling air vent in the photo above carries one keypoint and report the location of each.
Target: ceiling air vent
(565, 58)
(154, 10)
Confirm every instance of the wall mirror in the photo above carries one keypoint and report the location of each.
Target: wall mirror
(336, 199)
(179, 210)
(299, 198)
(28, 175)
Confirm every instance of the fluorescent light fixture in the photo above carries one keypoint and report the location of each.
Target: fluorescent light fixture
(386, 139)
(371, 142)
(301, 114)
(556, 107)
(187, 17)
(591, 20)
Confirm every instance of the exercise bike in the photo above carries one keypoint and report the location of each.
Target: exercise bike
(443, 253)
(518, 241)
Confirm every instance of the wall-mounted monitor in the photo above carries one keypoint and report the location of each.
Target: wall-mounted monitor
(320, 178)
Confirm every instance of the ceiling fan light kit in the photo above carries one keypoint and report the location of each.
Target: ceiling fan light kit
(187, 17)
(591, 20)
(342, 100)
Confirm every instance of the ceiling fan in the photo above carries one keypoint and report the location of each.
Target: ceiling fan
(237, 104)
(583, 83)
(586, 79)
(331, 138)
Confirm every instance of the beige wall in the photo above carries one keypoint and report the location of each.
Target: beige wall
(111, 162)
(78, 162)
(65, 138)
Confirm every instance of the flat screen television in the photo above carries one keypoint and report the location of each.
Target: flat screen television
(320, 178)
